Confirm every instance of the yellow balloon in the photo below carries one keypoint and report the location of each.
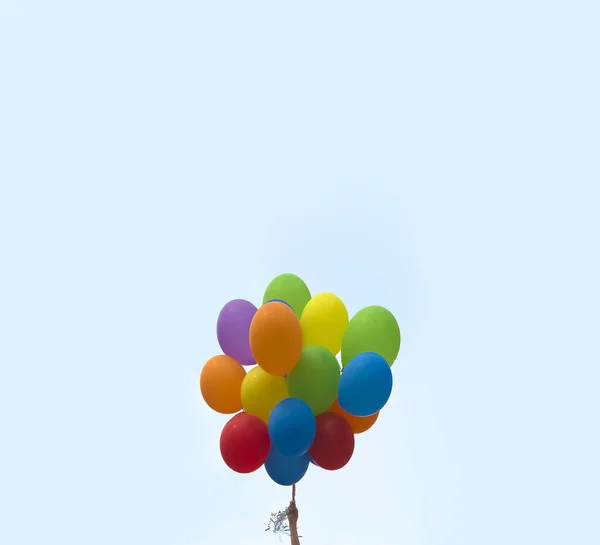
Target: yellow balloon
(324, 321)
(261, 392)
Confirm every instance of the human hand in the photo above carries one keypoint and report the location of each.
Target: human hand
(292, 513)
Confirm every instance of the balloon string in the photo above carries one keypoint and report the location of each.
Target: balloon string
(293, 492)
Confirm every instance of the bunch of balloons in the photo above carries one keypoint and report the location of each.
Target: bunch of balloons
(280, 374)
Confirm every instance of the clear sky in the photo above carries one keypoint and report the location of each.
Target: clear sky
(160, 158)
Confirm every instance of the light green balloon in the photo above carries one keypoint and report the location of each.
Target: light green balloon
(289, 288)
(315, 378)
(372, 329)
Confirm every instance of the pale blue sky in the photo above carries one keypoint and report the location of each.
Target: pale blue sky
(160, 158)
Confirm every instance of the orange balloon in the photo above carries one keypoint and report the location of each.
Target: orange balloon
(357, 423)
(221, 384)
(276, 338)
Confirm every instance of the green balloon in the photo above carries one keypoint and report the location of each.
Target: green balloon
(315, 378)
(289, 288)
(372, 329)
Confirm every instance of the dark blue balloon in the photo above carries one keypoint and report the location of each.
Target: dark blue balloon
(286, 470)
(365, 384)
(292, 427)
(279, 301)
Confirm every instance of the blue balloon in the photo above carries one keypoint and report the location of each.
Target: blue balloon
(292, 427)
(365, 384)
(286, 470)
(279, 301)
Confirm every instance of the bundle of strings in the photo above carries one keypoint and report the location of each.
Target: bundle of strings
(278, 522)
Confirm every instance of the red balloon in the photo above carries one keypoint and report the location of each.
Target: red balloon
(245, 443)
(334, 442)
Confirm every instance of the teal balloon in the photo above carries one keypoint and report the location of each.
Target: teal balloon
(315, 378)
(372, 329)
(288, 288)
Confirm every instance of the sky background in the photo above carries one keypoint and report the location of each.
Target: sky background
(158, 159)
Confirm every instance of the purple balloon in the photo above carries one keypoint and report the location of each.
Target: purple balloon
(233, 327)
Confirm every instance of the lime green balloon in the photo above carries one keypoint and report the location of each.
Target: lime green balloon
(315, 378)
(289, 288)
(372, 329)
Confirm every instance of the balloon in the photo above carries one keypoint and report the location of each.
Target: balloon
(279, 301)
(276, 338)
(289, 288)
(365, 385)
(233, 326)
(220, 384)
(324, 321)
(286, 470)
(372, 329)
(334, 442)
(292, 427)
(359, 424)
(260, 392)
(315, 378)
(245, 443)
